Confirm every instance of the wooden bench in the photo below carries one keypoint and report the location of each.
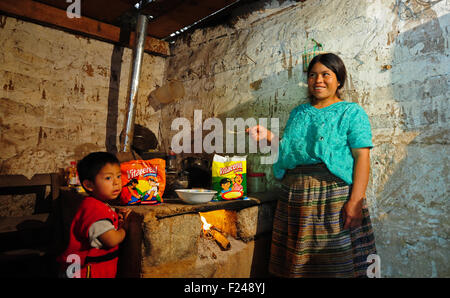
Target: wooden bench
(25, 239)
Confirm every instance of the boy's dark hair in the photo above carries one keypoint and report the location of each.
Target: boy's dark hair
(333, 62)
(92, 163)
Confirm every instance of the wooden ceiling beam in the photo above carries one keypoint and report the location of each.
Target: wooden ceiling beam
(106, 11)
(49, 15)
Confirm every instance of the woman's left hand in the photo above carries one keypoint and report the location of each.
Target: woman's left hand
(352, 213)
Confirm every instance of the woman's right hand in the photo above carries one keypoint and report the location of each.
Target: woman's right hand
(259, 132)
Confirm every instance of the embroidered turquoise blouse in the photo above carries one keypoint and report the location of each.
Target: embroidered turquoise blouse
(325, 135)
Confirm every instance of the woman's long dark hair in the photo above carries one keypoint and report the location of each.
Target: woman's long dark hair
(333, 62)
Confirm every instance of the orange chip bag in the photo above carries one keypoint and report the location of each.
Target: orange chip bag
(143, 181)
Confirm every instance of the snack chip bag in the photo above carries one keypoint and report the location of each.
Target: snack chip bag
(143, 181)
(229, 177)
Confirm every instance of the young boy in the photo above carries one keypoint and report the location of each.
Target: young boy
(96, 230)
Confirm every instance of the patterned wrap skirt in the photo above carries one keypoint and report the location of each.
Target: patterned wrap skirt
(308, 239)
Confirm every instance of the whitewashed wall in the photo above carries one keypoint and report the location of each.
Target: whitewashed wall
(254, 69)
(63, 96)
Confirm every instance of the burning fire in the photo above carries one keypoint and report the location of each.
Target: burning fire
(222, 220)
(206, 225)
(212, 232)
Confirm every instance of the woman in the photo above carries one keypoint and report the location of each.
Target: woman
(322, 226)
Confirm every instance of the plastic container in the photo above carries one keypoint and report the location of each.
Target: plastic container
(171, 162)
(72, 175)
(256, 182)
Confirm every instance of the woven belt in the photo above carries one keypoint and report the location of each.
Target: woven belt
(104, 258)
(307, 168)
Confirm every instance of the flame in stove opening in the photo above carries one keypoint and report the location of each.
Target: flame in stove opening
(206, 225)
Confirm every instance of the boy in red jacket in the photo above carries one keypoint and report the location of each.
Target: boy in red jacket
(96, 230)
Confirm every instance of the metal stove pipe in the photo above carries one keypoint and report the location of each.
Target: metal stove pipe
(138, 53)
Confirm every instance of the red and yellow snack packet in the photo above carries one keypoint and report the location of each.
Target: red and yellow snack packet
(143, 181)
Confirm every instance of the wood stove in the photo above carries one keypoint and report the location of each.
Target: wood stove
(168, 240)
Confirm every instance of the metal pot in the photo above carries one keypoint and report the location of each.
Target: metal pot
(196, 162)
(199, 172)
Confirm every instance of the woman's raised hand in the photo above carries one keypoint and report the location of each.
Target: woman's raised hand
(259, 132)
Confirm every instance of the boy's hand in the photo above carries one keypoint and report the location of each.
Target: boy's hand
(123, 217)
(113, 237)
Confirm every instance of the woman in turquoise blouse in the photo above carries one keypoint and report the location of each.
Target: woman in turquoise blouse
(322, 225)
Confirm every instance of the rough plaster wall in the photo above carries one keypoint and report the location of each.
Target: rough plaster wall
(253, 69)
(63, 96)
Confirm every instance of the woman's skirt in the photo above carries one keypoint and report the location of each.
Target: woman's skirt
(308, 238)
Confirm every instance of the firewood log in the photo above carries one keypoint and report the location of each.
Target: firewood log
(220, 239)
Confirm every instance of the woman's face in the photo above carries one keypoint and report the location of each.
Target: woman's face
(322, 82)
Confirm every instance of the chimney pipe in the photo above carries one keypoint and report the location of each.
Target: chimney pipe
(138, 51)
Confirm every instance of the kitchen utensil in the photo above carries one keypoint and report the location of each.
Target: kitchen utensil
(195, 196)
(169, 92)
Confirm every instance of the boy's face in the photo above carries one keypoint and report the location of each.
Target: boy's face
(107, 184)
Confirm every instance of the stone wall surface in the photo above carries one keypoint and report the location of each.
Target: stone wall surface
(63, 96)
(397, 57)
